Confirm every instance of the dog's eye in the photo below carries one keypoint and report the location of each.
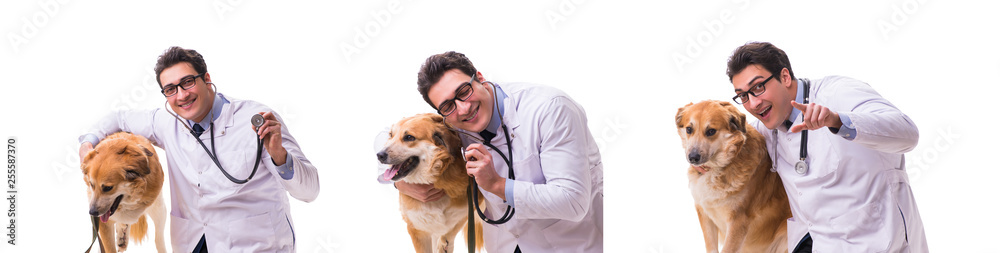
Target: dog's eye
(106, 188)
(409, 138)
(710, 132)
(689, 130)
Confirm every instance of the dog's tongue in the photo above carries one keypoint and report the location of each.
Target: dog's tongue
(391, 172)
(106, 216)
(700, 169)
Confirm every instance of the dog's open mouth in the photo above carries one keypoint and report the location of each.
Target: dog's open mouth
(114, 206)
(400, 170)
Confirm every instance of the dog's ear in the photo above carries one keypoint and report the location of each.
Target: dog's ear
(737, 120)
(139, 153)
(680, 114)
(86, 160)
(132, 175)
(438, 140)
(145, 150)
(436, 117)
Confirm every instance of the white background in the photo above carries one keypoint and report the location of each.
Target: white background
(64, 64)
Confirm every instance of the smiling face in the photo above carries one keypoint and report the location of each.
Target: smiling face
(194, 103)
(773, 106)
(474, 113)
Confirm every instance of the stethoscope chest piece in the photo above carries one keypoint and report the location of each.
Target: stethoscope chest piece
(801, 167)
(256, 120)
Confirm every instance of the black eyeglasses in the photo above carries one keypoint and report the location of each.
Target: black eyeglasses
(186, 83)
(755, 90)
(463, 92)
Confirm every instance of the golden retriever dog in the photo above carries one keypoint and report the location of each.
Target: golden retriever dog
(422, 149)
(740, 202)
(124, 178)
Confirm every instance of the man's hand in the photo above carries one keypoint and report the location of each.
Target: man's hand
(270, 132)
(421, 192)
(479, 164)
(85, 149)
(815, 116)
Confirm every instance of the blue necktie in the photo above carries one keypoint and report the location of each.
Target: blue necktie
(198, 130)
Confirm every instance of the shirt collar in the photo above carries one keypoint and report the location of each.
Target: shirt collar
(216, 111)
(499, 96)
(799, 98)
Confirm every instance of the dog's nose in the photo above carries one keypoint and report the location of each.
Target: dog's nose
(694, 157)
(382, 156)
(93, 212)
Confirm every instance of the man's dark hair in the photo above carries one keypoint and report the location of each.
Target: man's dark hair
(765, 54)
(175, 55)
(435, 66)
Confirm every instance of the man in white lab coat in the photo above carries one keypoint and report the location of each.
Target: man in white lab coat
(208, 210)
(558, 195)
(853, 194)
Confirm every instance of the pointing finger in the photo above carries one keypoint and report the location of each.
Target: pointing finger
(801, 107)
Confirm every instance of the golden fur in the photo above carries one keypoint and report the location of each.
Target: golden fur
(123, 168)
(740, 202)
(424, 150)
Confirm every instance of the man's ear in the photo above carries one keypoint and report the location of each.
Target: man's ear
(479, 77)
(208, 77)
(786, 77)
(680, 114)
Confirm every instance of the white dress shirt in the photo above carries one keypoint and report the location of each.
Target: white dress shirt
(559, 187)
(856, 196)
(251, 217)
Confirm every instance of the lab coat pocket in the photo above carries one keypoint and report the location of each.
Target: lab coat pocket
(861, 227)
(184, 233)
(529, 169)
(239, 163)
(254, 233)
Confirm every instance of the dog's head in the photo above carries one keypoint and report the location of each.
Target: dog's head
(712, 133)
(419, 148)
(119, 173)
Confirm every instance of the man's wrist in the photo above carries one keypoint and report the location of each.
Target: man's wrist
(836, 121)
(281, 155)
(499, 188)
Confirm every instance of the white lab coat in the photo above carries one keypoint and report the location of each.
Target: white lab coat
(559, 188)
(251, 217)
(856, 194)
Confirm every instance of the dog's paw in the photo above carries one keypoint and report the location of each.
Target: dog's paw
(122, 239)
(443, 246)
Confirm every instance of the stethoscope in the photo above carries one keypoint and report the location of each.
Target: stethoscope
(801, 167)
(256, 120)
(474, 198)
